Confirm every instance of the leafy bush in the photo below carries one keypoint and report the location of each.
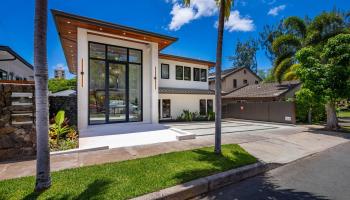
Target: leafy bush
(188, 116)
(306, 100)
(56, 85)
(62, 136)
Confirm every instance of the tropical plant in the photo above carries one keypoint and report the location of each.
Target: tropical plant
(62, 137)
(325, 70)
(298, 33)
(224, 14)
(56, 85)
(43, 178)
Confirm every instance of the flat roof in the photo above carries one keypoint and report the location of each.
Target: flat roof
(166, 90)
(186, 59)
(67, 25)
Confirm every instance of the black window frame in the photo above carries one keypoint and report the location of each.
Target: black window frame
(161, 71)
(234, 83)
(194, 74)
(168, 116)
(245, 81)
(189, 75)
(212, 105)
(182, 72)
(205, 77)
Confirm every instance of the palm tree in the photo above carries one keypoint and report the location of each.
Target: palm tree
(43, 179)
(224, 14)
(299, 34)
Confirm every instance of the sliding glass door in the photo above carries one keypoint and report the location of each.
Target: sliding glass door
(115, 84)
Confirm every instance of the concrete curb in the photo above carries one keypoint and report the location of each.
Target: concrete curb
(204, 185)
(79, 150)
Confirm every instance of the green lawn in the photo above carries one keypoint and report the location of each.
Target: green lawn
(344, 113)
(122, 180)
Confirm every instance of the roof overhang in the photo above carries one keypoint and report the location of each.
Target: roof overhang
(185, 59)
(67, 26)
(8, 55)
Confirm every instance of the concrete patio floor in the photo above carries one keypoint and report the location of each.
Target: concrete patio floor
(271, 146)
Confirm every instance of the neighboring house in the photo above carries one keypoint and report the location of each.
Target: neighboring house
(59, 73)
(234, 78)
(264, 92)
(13, 66)
(123, 77)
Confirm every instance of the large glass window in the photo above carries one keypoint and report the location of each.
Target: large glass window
(202, 107)
(203, 75)
(179, 72)
(117, 53)
(97, 92)
(115, 84)
(187, 73)
(196, 74)
(166, 108)
(135, 92)
(97, 51)
(164, 71)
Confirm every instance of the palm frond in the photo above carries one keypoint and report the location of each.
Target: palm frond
(285, 42)
(291, 74)
(295, 26)
(282, 68)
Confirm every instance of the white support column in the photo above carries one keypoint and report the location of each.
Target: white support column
(82, 78)
(155, 83)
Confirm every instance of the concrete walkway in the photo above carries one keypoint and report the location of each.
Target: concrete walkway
(271, 146)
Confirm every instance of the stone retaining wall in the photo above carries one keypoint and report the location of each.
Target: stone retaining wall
(17, 128)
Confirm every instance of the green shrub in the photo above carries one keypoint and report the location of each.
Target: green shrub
(188, 116)
(305, 100)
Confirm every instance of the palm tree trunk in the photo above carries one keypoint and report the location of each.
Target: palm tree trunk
(218, 78)
(43, 179)
(332, 120)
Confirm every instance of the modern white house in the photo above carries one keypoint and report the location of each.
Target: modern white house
(123, 78)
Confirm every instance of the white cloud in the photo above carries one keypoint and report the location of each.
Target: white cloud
(238, 23)
(275, 11)
(182, 15)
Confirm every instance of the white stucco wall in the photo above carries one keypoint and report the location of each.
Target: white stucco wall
(180, 102)
(150, 64)
(173, 83)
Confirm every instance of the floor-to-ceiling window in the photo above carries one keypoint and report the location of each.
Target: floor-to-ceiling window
(115, 84)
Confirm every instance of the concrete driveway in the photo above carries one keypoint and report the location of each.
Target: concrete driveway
(228, 126)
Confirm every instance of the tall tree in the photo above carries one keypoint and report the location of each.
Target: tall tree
(267, 36)
(325, 71)
(224, 14)
(245, 55)
(43, 179)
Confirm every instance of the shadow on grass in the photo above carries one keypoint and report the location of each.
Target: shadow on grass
(217, 163)
(261, 187)
(93, 191)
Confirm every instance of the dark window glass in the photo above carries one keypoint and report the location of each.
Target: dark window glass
(97, 92)
(166, 108)
(164, 71)
(234, 83)
(135, 88)
(210, 106)
(117, 53)
(203, 75)
(245, 81)
(202, 107)
(179, 73)
(187, 73)
(256, 82)
(3, 75)
(244, 71)
(97, 51)
(196, 74)
(135, 56)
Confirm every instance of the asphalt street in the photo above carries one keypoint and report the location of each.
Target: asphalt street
(325, 175)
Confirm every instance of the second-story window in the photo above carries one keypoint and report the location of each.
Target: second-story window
(196, 74)
(256, 82)
(234, 83)
(179, 72)
(203, 75)
(187, 73)
(245, 81)
(164, 71)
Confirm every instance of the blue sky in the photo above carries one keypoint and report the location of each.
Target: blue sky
(194, 26)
